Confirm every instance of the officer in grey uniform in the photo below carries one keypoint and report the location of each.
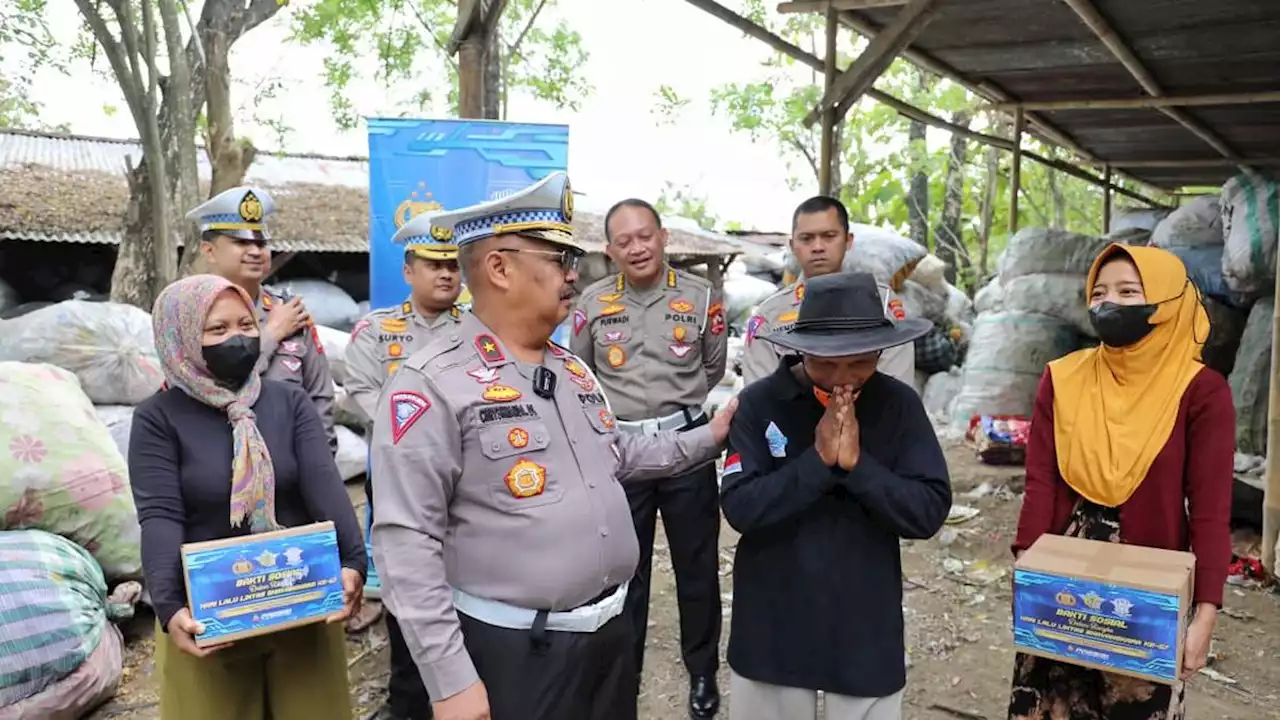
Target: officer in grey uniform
(655, 337)
(502, 532)
(820, 239)
(379, 344)
(233, 244)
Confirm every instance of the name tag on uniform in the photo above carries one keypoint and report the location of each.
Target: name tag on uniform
(254, 585)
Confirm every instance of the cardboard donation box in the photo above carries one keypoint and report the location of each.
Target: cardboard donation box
(259, 584)
(1113, 607)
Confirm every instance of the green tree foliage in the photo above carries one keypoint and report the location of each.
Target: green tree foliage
(683, 202)
(26, 46)
(408, 39)
(876, 159)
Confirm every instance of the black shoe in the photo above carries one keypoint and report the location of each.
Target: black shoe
(704, 697)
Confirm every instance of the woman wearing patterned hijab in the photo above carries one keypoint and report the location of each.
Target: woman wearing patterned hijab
(220, 453)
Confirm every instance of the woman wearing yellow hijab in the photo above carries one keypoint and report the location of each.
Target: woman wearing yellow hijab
(1133, 442)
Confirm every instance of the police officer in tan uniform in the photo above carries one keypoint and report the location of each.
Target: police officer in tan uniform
(379, 344)
(502, 532)
(655, 337)
(233, 244)
(820, 239)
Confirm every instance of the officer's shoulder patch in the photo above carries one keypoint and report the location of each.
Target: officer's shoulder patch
(406, 408)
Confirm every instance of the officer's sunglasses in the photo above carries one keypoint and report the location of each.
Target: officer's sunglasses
(567, 259)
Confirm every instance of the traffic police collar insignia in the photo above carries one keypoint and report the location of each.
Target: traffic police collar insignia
(406, 408)
(671, 278)
(800, 292)
(777, 441)
(406, 307)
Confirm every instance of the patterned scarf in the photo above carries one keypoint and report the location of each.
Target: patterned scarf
(178, 323)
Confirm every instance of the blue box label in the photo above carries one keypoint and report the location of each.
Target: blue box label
(1111, 626)
(264, 583)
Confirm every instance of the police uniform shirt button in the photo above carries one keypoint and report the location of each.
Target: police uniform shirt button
(496, 447)
(604, 531)
(453, 338)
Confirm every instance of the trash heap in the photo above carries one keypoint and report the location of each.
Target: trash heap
(919, 278)
(1032, 312)
(1035, 309)
(69, 526)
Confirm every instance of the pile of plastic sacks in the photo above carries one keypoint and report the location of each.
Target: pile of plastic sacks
(1035, 310)
(919, 278)
(70, 376)
(69, 527)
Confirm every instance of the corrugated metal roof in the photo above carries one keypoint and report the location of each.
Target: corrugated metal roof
(327, 209)
(79, 153)
(1041, 50)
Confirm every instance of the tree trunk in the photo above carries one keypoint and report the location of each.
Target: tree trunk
(133, 277)
(918, 194)
(492, 106)
(229, 158)
(1059, 202)
(186, 185)
(837, 158)
(990, 193)
(918, 153)
(471, 78)
(951, 249)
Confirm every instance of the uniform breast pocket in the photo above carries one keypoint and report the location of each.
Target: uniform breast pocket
(518, 455)
(682, 344)
(606, 430)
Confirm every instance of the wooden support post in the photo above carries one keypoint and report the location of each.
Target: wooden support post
(827, 152)
(854, 82)
(1106, 199)
(1271, 497)
(1015, 172)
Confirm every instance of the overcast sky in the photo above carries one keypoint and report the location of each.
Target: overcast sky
(617, 147)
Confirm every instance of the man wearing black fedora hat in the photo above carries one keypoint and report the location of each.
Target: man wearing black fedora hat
(830, 465)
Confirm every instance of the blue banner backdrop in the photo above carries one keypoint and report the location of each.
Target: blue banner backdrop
(417, 166)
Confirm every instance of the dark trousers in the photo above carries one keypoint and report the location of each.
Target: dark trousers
(690, 506)
(571, 676)
(406, 694)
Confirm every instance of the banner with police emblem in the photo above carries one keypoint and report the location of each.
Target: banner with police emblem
(417, 166)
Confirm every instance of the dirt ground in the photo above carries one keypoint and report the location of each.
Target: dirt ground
(957, 615)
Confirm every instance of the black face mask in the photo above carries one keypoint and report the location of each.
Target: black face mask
(1121, 325)
(232, 360)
